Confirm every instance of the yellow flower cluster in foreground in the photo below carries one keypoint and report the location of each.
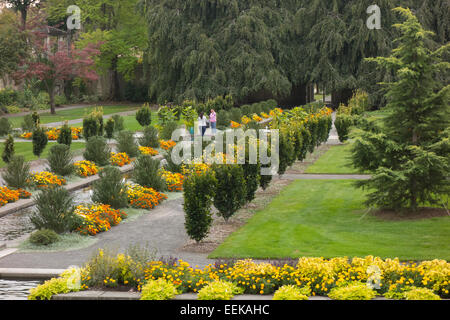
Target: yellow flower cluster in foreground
(46, 179)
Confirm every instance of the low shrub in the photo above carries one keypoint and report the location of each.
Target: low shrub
(97, 151)
(43, 237)
(60, 160)
(17, 173)
(13, 109)
(144, 115)
(198, 198)
(290, 292)
(40, 141)
(118, 122)
(158, 290)
(236, 115)
(343, 123)
(230, 190)
(8, 151)
(50, 288)
(411, 293)
(149, 138)
(219, 290)
(146, 173)
(110, 189)
(127, 144)
(167, 130)
(65, 135)
(55, 211)
(28, 124)
(109, 128)
(5, 127)
(352, 291)
(420, 294)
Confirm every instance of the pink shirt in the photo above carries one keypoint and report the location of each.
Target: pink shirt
(212, 117)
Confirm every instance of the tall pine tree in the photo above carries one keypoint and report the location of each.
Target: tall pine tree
(411, 157)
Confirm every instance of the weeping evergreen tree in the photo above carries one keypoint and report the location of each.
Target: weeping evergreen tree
(410, 158)
(205, 48)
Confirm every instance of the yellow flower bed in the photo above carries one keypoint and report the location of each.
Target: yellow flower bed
(119, 159)
(85, 168)
(46, 179)
(256, 118)
(317, 275)
(174, 181)
(148, 151)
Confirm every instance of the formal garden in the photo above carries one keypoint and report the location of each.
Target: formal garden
(335, 187)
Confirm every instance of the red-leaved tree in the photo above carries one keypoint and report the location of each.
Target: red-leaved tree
(51, 60)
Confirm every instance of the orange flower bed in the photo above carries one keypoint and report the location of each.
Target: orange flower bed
(119, 159)
(85, 168)
(167, 145)
(148, 151)
(235, 125)
(174, 181)
(144, 198)
(98, 218)
(8, 195)
(53, 134)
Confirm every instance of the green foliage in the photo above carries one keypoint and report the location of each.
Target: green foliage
(159, 289)
(149, 138)
(223, 119)
(55, 211)
(126, 143)
(167, 130)
(8, 96)
(230, 189)
(43, 237)
(235, 115)
(50, 288)
(359, 103)
(5, 126)
(60, 160)
(343, 124)
(198, 198)
(146, 173)
(109, 128)
(144, 115)
(28, 124)
(97, 150)
(352, 291)
(252, 176)
(110, 188)
(410, 158)
(17, 173)
(170, 165)
(65, 135)
(411, 293)
(166, 115)
(287, 152)
(8, 151)
(290, 292)
(93, 124)
(118, 123)
(219, 290)
(40, 141)
(189, 115)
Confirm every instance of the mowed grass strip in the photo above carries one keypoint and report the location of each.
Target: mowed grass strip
(25, 149)
(71, 114)
(324, 218)
(337, 160)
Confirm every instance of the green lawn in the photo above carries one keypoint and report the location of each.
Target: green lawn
(72, 114)
(26, 149)
(326, 218)
(334, 161)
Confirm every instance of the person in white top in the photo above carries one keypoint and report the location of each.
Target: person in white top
(202, 123)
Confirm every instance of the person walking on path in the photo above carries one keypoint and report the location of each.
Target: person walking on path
(213, 121)
(202, 123)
